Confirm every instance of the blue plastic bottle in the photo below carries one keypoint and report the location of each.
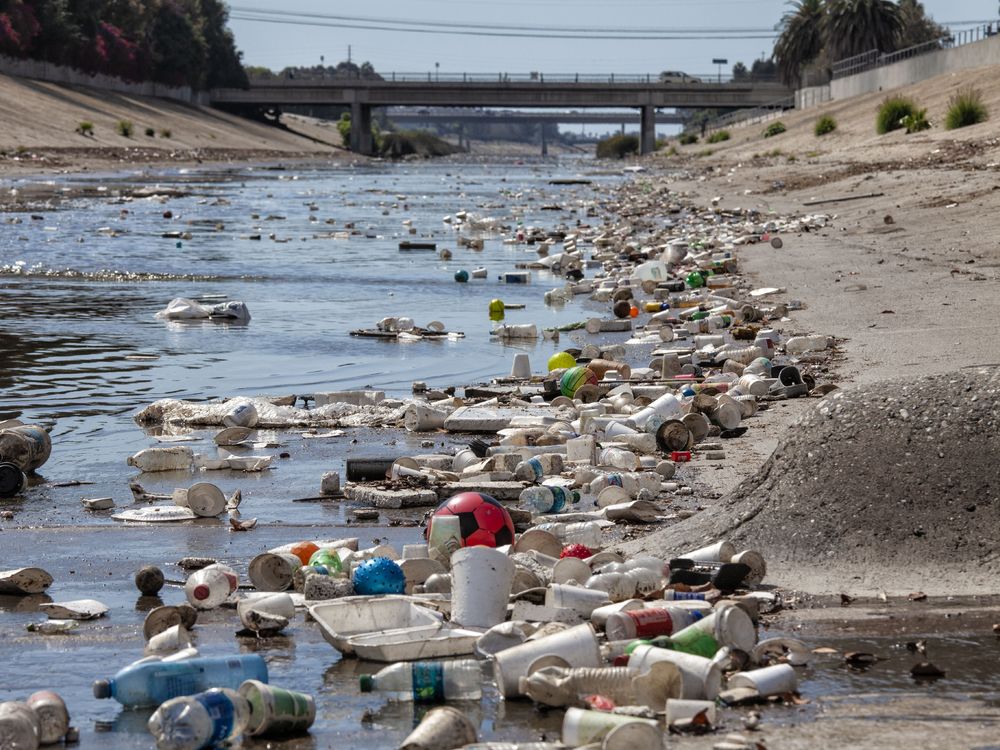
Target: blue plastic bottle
(152, 683)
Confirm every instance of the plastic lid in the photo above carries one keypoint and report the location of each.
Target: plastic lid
(102, 688)
(201, 592)
(367, 683)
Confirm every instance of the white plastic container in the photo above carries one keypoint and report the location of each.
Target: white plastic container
(211, 586)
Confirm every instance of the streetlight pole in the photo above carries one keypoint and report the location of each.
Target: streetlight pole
(720, 61)
(437, 71)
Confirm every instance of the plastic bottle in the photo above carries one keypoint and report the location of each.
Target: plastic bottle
(19, 726)
(427, 681)
(211, 586)
(587, 533)
(802, 344)
(150, 683)
(192, 722)
(619, 458)
(326, 562)
(545, 499)
(172, 458)
(647, 623)
(535, 468)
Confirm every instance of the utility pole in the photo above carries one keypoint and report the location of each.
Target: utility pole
(720, 61)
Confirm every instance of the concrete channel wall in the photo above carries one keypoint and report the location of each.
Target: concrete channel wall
(976, 55)
(43, 71)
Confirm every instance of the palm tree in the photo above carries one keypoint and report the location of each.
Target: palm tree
(801, 39)
(852, 27)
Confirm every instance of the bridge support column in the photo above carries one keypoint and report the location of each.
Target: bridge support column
(545, 140)
(647, 130)
(361, 129)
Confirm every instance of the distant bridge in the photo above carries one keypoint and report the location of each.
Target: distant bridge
(464, 115)
(564, 92)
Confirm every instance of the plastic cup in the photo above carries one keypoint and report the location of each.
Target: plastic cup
(582, 727)
(521, 369)
(444, 538)
(421, 418)
(279, 605)
(719, 552)
(635, 735)
(270, 571)
(577, 598)
(701, 678)
(577, 645)
(758, 566)
(481, 579)
(774, 680)
(443, 728)
(173, 639)
(570, 569)
(729, 626)
(277, 712)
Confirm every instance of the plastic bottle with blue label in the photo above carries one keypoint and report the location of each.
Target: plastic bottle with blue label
(153, 682)
(546, 499)
(207, 719)
(427, 681)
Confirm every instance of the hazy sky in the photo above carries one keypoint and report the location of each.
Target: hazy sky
(749, 22)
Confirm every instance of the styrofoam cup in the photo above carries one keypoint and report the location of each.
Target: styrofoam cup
(582, 727)
(521, 368)
(729, 626)
(442, 728)
(722, 551)
(270, 571)
(679, 709)
(758, 566)
(774, 680)
(421, 418)
(481, 578)
(701, 679)
(577, 645)
(577, 598)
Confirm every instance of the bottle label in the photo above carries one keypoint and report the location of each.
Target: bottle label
(615, 479)
(650, 622)
(558, 499)
(219, 708)
(428, 681)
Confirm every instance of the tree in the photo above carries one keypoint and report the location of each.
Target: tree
(801, 39)
(917, 27)
(740, 72)
(851, 27)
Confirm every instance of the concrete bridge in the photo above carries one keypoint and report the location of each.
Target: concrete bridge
(465, 115)
(564, 92)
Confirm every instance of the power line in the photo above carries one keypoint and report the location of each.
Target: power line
(664, 36)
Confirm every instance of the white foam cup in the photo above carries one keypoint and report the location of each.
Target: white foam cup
(481, 579)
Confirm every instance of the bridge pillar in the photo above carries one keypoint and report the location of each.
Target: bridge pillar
(361, 129)
(545, 140)
(647, 130)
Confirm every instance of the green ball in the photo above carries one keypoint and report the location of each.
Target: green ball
(575, 378)
(561, 361)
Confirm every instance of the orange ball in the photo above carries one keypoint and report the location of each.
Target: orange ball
(304, 551)
(633, 312)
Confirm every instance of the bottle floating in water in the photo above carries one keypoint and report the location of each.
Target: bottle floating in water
(211, 586)
(153, 682)
(427, 681)
(207, 719)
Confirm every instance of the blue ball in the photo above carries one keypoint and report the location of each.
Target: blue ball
(379, 576)
(461, 276)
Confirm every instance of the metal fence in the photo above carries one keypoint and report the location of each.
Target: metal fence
(760, 114)
(874, 59)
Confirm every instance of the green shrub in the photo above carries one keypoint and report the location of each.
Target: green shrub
(775, 128)
(150, 133)
(344, 128)
(916, 122)
(85, 128)
(705, 152)
(891, 113)
(686, 139)
(718, 136)
(165, 133)
(617, 146)
(125, 128)
(824, 125)
(672, 151)
(965, 108)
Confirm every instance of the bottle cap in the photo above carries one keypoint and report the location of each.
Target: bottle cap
(201, 592)
(367, 683)
(102, 688)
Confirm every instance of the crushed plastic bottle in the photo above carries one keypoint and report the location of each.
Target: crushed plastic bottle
(207, 719)
(211, 586)
(427, 681)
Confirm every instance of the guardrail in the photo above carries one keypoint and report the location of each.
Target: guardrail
(759, 114)
(436, 77)
(872, 59)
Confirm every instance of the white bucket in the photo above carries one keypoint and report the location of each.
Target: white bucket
(576, 645)
(774, 680)
(582, 727)
(719, 552)
(421, 418)
(701, 678)
(481, 578)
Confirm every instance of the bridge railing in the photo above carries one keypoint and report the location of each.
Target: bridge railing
(758, 115)
(501, 77)
(874, 59)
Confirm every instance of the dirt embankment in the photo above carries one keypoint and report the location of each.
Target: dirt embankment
(891, 488)
(40, 128)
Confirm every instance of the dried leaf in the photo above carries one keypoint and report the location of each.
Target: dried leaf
(917, 596)
(237, 525)
(700, 719)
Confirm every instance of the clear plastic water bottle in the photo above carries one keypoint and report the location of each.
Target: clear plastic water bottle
(150, 683)
(587, 533)
(546, 499)
(207, 719)
(211, 586)
(427, 681)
